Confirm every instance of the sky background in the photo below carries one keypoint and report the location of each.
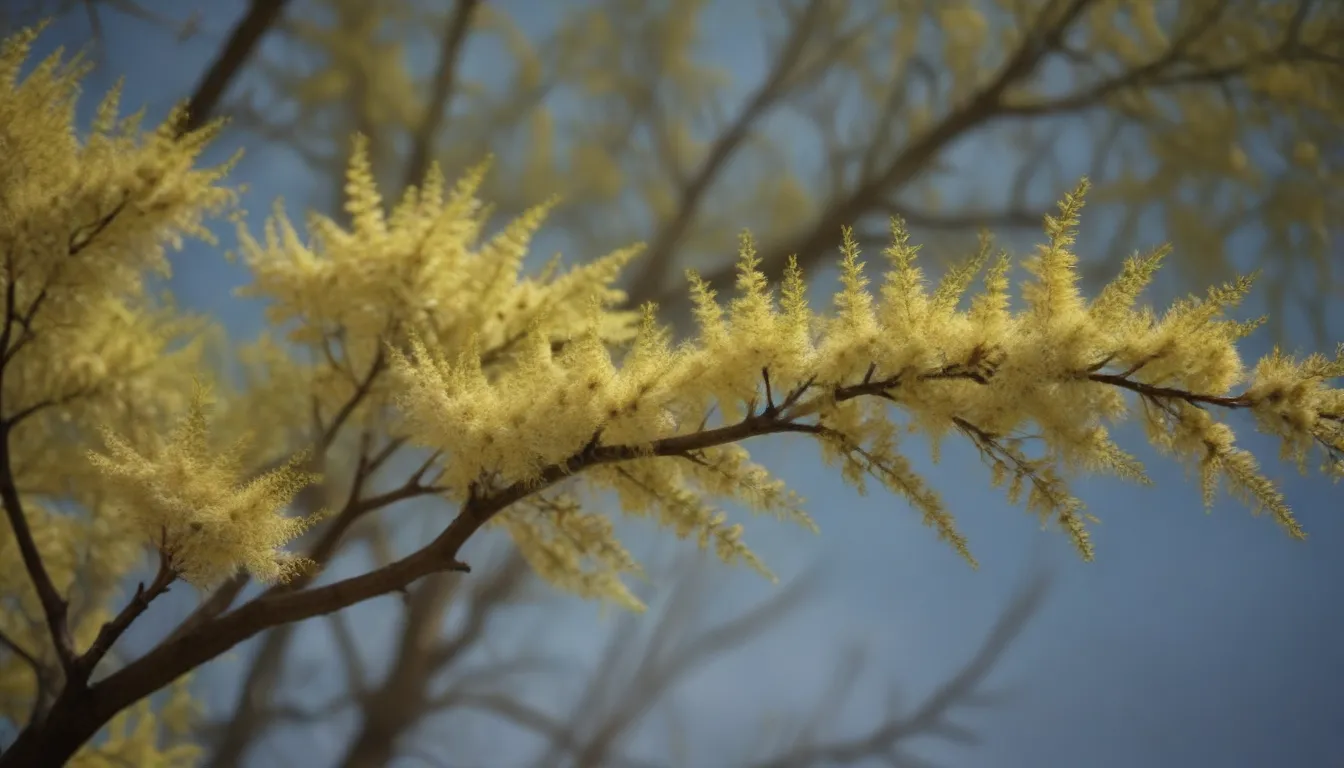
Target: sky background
(1193, 639)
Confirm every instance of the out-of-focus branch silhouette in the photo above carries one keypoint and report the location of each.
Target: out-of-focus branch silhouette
(440, 94)
(878, 182)
(234, 54)
(862, 111)
(436, 678)
(888, 740)
(238, 48)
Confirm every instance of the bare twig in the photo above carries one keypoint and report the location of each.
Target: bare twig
(139, 602)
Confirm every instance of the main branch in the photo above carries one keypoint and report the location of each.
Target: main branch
(76, 718)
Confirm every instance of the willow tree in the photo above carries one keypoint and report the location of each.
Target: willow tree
(527, 395)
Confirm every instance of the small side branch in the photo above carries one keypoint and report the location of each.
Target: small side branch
(112, 630)
(1171, 393)
(53, 605)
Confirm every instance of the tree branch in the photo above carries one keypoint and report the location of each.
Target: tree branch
(80, 713)
(454, 37)
(655, 263)
(47, 678)
(243, 39)
(112, 630)
(403, 699)
(53, 605)
(983, 107)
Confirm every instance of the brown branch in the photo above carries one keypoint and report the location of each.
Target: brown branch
(243, 39)
(223, 596)
(249, 714)
(1132, 77)
(22, 653)
(1154, 73)
(362, 389)
(53, 606)
(1170, 393)
(112, 630)
(402, 699)
(80, 238)
(454, 36)
(28, 411)
(78, 714)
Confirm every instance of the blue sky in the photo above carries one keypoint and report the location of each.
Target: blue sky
(1193, 639)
